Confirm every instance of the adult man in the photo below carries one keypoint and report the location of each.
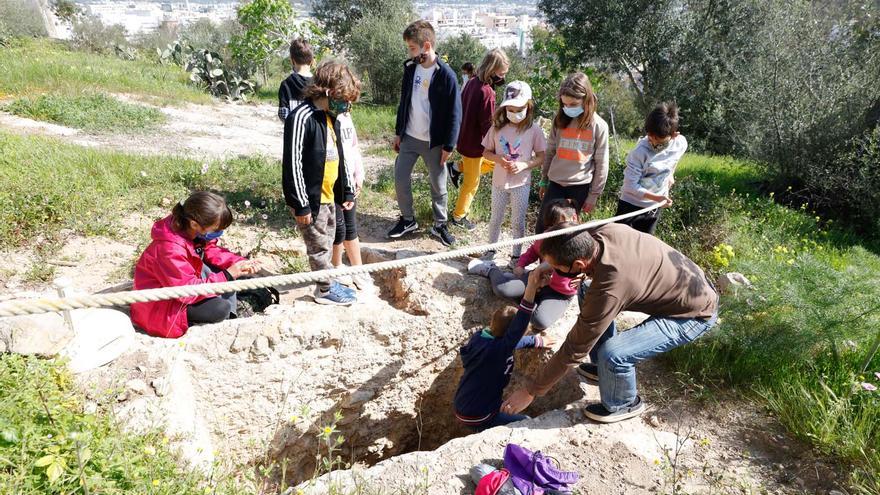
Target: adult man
(630, 271)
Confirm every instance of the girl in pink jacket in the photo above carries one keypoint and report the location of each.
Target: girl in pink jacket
(184, 251)
(552, 300)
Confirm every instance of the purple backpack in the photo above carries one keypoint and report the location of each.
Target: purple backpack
(533, 473)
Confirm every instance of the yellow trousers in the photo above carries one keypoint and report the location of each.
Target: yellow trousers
(472, 168)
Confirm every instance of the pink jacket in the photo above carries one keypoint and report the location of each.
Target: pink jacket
(561, 285)
(171, 260)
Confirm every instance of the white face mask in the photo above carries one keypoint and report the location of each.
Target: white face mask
(517, 117)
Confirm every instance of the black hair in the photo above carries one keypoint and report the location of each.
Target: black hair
(663, 120)
(203, 207)
(567, 248)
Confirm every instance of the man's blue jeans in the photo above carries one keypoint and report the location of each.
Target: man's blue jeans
(616, 354)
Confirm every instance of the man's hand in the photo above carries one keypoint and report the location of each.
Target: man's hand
(541, 191)
(540, 276)
(588, 207)
(517, 402)
(518, 271)
(395, 145)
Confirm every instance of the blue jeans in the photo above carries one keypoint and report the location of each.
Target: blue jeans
(500, 419)
(616, 355)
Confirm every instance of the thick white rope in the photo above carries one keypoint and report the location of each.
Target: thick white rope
(37, 306)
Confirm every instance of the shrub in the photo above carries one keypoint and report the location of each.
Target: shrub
(90, 34)
(20, 18)
(379, 51)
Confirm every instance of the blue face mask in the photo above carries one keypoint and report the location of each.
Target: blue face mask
(573, 112)
(210, 236)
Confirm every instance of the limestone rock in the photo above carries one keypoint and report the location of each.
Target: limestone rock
(42, 335)
(732, 281)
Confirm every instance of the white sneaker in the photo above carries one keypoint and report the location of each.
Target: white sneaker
(345, 280)
(364, 283)
(480, 267)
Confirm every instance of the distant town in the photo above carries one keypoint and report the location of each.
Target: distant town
(494, 23)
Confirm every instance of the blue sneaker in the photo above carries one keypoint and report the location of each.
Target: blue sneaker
(335, 296)
(344, 288)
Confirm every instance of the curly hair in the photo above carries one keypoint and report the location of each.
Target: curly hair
(334, 79)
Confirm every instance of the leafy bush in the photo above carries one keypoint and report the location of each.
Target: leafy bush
(340, 17)
(90, 34)
(460, 49)
(379, 51)
(97, 112)
(20, 18)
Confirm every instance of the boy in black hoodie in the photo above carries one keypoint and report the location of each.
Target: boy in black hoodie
(488, 362)
(290, 93)
(428, 119)
(315, 175)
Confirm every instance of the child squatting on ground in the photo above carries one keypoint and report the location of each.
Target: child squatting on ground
(551, 301)
(650, 168)
(488, 361)
(184, 251)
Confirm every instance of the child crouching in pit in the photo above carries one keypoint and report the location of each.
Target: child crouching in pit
(488, 362)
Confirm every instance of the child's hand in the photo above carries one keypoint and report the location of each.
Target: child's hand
(239, 269)
(539, 277)
(304, 220)
(518, 271)
(348, 205)
(517, 167)
(541, 191)
(395, 145)
(547, 340)
(506, 163)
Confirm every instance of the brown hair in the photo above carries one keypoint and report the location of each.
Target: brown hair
(663, 120)
(301, 52)
(203, 207)
(558, 211)
(565, 249)
(492, 62)
(419, 32)
(501, 319)
(500, 119)
(333, 79)
(467, 68)
(576, 85)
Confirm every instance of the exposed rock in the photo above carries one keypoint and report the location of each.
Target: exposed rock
(732, 281)
(41, 335)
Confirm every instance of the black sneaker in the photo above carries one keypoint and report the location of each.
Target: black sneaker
(403, 227)
(454, 175)
(442, 232)
(589, 371)
(597, 412)
(464, 223)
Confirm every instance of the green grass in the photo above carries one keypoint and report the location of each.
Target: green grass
(89, 190)
(49, 443)
(95, 112)
(30, 67)
(374, 122)
(800, 340)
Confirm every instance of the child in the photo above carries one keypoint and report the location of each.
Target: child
(478, 109)
(290, 91)
(315, 173)
(488, 363)
(552, 300)
(576, 165)
(427, 126)
(346, 238)
(184, 251)
(467, 72)
(510, 143)
(650, 167)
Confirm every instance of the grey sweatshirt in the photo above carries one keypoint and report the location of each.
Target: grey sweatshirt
(650, 171)
(579, 156)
